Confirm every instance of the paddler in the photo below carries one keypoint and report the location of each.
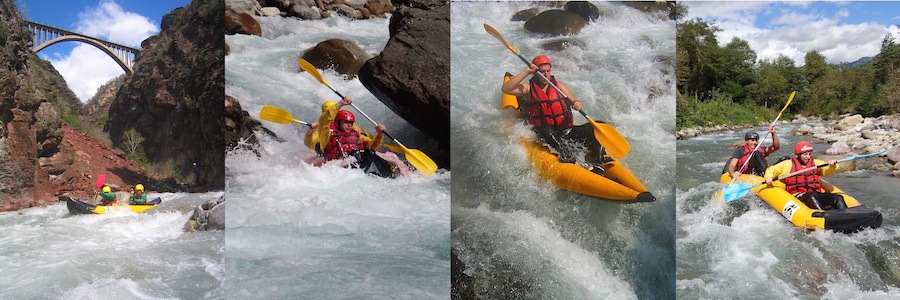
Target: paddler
(758, 163)
(138, 198)
(107, 197)
(807, 186)
(550, 114)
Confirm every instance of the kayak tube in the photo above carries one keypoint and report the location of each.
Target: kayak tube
(78, 207)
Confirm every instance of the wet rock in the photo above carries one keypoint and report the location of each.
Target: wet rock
(556, 22)
(379, 7)
(306, 12)
(839, 148)
(240, 128)
(870, 134)
(207, 216)
(241, 23)
(346, 10)
(818, 130)
(563, 44)
(411, 75)
(893, 155)
(524, 15)
(804, 129)
(243, 6)
(852, 121)
(584, 9)
(270, 12)
(343, 56)
(896, 166)
(664, 9)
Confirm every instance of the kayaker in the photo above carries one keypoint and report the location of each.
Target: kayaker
(807, 186)
(138, 197)
(107, 197)
(758, 162)
(550, 114)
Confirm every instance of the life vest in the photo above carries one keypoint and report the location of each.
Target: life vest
(757, 166)
(803, 182)
(547, 108)
(343, 144)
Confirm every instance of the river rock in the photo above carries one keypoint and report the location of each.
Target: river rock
(839, 148)
(873, 148)
(870, 134)
(524, 15)
(411, 76)
(584, 9)
(804, 129)
(343, 56)
(846, 166)
(243, 6)
(241, 128)
(893, 156)
(241, 23)
(563, 44)
(896, 166)
(853, 120)
(818, 130)
(207, 216)
(270, 12)
(556, 22)
(895, 173)
(379, 7)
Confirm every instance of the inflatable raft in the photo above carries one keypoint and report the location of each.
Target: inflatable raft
(855, 218)
(78, 207)
(617, 183)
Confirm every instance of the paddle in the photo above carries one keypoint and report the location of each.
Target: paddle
(101, 179)
(419, 160)
(790, 98)
(735, 191)
(608, 136)
(278, 115)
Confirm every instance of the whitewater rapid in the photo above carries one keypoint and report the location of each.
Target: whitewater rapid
(46, 253)
(294, 229)
(518, 235)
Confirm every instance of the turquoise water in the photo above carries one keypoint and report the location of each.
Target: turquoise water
(45, 253)
(745, 249)
(298, 231)
(516, 234)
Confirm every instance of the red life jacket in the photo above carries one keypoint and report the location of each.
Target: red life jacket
(803, 182)
(343, 144)
(547, 108)
(761, 157)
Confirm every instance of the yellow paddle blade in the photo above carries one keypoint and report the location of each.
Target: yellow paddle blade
(611, 139)
(420, 161)
(394, 148)
(277, 115)
(309, 68)
(790, 98)
(496, 34)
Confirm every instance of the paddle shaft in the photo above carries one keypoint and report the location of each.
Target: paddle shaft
(767, 135)
(845, 159)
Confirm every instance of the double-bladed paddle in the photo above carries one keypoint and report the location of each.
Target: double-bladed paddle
(278, 115)
(419, 160)
(608, 136)
(735, 191)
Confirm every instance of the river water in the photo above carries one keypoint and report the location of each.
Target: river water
(517, 235)
(45, 253)
(295, 230)
(745, 249)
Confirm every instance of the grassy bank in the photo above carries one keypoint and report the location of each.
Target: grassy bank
(720, 111)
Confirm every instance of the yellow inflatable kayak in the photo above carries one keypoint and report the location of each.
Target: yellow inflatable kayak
(78, 207)
(855, 218)
(617, 183)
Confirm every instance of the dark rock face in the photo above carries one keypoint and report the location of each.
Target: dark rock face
(341, 55)
(241, 23)
(584, 9)
(240, 126)
(32, 95)
(556, 22)
(412, 73)
(173, 100)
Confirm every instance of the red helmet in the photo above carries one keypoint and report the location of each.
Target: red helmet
(802, 146)
(540, 60)
(344, 115)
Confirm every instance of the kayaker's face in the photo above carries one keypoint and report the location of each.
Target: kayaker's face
(805, 157)
(545, 70)
(345, 126)
(752, 142)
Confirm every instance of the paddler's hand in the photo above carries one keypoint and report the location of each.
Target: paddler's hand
(772, 129)
(832, 162)
(769, 181)
(379, 128)
(346, 101)
(313, 125)
(531, 68)
(576, 105)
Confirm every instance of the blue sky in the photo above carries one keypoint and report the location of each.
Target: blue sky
(126, 22)
(842, 31)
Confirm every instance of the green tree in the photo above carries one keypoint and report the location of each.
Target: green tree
(815, 67)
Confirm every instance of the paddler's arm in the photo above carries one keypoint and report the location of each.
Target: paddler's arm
(829, 170)
(776, 170)
(732, 168)
(775, 143)
(376, 142)
(565, 89)
(514, 86)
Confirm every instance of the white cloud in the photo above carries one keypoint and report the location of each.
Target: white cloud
(85, 69)
(792, 18)
(109, 21)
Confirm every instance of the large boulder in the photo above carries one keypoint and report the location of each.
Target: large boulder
(241, 23)
(893, 156)
(584, 9)
(240, 127)
(556, 22)
(524, 15)
(412, 74)
(207, 216)
(379, 7)
(839, 148)
(852, 121)
(563, 44)
(173, 100)
(343, 56)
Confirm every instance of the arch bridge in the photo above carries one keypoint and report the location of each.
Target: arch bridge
(45, 35)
